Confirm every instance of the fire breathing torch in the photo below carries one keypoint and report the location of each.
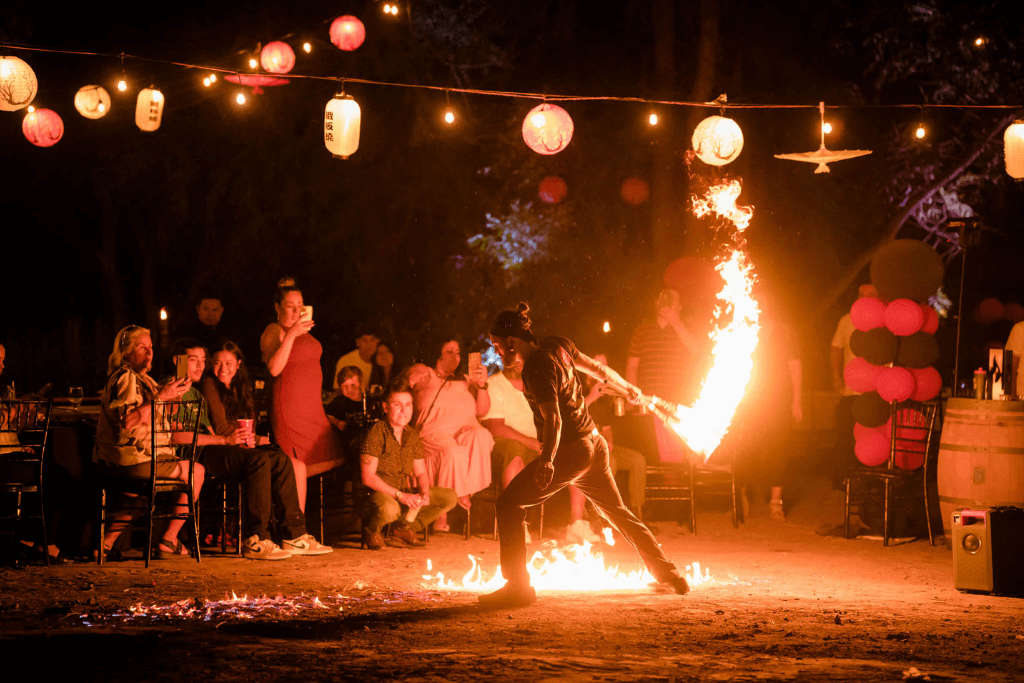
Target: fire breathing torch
(615, 384)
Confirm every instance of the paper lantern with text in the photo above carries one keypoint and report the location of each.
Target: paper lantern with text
(347, 33)
(149, 109)
(878, 346)
(552, 190)
(547, 129)
(895, 384)
(43, 127)
(342, 119)
(867, 313)
(918, 351)
(277, 57)
(635, 191)
(17, 84)
(92, 101)
(872, 447)
(717, 140)
(1013, 149)
(906, 269)
(931, 320)
(904, 317)
(870, 409)
(861, 376)
(927, 383)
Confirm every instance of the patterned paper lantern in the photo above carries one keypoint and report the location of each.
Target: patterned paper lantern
(867, 313)
(92, 101)
(1013, 149)
(277, 57)
(927, 383)
(895, 384)
(931, 320)
(347, 33)
(43, 127)
(342, 118)
(717, 140)
(552, 190)
(547, 129)
(860, 375)
(149, 109)
(904, 317)
(635, 191)
(17, 84)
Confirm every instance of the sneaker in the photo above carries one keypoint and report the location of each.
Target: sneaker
(579, 532)
(306, 545)
(255, 549)
(509, 596)
(775, 512)
(678, 584)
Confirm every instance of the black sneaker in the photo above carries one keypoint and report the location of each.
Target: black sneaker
(509, 596)
(678, 584)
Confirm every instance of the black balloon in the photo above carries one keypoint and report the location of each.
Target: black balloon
(877, 346)
(870, 410)
(918, 351)
(906, 269)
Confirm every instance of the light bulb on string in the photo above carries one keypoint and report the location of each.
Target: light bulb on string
(307, 47)
(449, 116)
(31, 109)
(240, 98)
(387, 8)
(206, 82)
(213, 78)
(652, 119)
(980, 41)
(253, 63)
(826, 128)
(921, 131)
(122, 85)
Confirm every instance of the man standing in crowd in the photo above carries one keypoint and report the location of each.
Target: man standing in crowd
(841, 355)
(367, 340)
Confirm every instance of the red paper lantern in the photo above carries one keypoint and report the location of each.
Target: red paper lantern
(931, 320)
(867, 313)
(927, 384)
(635, 191)
(347, 33)
(547, 129)
(552, 190)
(861, 376)
(904, 317)
(872, 447)
(43, 127)
(277, 57)
(895, 384)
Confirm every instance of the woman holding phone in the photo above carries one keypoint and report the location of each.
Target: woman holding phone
(297, 416)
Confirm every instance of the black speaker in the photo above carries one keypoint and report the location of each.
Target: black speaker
(988, 550)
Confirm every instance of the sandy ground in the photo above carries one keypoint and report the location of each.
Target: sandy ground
(785, 604)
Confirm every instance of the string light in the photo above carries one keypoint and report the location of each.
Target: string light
(253, 63)
(122, 85)
(826, 128)
(307, 47)
(920, 132)
(607, 327)
(980, 40)
(240, 98)
(391, 9)
(213, 78)
(206, 82)
(449, 116)
(652, 120)
(31, 109)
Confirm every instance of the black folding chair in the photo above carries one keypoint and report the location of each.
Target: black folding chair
(24, 425)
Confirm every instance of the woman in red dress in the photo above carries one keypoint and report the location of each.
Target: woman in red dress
(297, 417)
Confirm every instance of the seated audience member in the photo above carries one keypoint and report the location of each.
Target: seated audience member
(367, 339)
(228, 451)
(123, 439)
(457, 449)
(391, 453)
(510, 422)
(348, 405)
(383, 368)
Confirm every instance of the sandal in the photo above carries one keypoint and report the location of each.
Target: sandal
(110, 555)
(177, 549)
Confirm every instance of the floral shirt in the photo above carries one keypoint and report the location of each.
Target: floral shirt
(115, 443)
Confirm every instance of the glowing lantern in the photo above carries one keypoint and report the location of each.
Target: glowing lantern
(867, 313)
(341, 126)
(927, 383)
(17, 84)
(634, 191)
(1013, 149)
(43, 127)
(149, 109)
(92, 101)
(552, 190)
(277, 57)
(347, 33)
(860, 375)
(547, 129)
(904, 317)
(895, 384)
(717, 140)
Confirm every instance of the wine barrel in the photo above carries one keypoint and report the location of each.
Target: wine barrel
(981, 456)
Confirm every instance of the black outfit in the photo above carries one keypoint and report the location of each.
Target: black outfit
(581, 460)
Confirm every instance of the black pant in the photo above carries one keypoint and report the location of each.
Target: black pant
(584, 464)
(269, 486)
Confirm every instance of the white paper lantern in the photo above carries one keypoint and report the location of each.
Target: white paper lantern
(341, 126)
(547, 129)
(92, 101)
(17, 84)
(717, 140)
(149, 109)
(1013, 149)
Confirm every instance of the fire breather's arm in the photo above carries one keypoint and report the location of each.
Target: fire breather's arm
(606, 375)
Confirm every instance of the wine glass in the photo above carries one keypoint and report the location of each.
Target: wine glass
(75, 395)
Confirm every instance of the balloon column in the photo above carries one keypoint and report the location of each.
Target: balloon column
(895, 352)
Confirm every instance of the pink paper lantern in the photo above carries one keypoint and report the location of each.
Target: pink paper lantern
(931, 320)
(43, 127)
(347, 33)
(872, 447)
(547, 129)
(861, 376)
(904, 317)
(277, 57)
(635, 191)
(552, 190)
(927, 384)
(895, 384)
(867, 313)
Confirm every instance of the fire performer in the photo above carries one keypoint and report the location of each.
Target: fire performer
(572, 452)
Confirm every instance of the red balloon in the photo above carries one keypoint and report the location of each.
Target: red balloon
(927, 384)
(635, 191)
(895, 384)
(867, 313)
(872, 447)
(931, 320)
(347, 33)
(43, 127)
(861, 376)
(552, 190)
(904, 317)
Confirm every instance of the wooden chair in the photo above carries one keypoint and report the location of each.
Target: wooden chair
(167, 418)
(718, 477)
(673, 482)
(915, 424)
(25, 423)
